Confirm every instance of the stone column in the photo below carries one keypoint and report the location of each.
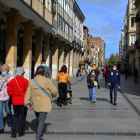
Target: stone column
(71, 63)
(61, 55)
(11, 40)
(55, 62)
(27, 49)
(74, 64)
(38, 48)
(47, 49)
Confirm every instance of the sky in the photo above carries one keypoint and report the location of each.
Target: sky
(105, 18)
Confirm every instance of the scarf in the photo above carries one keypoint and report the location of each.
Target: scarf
(3, 80)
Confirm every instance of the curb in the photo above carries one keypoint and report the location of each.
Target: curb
(132, 105)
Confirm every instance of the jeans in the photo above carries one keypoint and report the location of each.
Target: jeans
(82, 76)
(92, 93)
(40, 117)
(20, 112)
(115, 88)
(9, 114)
(78, 74)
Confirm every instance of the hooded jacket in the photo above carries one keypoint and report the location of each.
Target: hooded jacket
(63, 77)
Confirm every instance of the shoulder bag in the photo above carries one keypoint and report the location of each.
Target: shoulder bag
(43, 90)
(19, 87)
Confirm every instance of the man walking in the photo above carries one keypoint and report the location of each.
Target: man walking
(48, 72)
(105, 74)
(135, 75)
(113, 80)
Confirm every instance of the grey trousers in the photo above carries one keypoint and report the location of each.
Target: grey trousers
(40, 117)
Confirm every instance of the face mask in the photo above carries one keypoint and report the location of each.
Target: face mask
(114, 68)
(93, 73)
(4, 73)
(43, 65)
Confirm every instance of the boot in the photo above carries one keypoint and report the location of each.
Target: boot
(13, 134)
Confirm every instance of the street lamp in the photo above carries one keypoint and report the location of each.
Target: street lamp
(20, 33)
(2, 24)
(34, 39)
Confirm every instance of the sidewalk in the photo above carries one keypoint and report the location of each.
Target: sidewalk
(131, 92)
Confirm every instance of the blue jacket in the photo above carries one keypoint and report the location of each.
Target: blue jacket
(114, 77)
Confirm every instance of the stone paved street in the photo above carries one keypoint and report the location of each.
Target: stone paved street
(84, 120)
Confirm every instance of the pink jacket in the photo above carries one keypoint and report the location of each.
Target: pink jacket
(3, 92)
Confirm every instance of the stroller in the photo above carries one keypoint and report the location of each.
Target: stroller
(69, 95)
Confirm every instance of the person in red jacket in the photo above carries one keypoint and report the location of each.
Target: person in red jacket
(105, 74)
(16, 89)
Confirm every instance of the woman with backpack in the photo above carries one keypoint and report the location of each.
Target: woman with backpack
(40, 89)
(92, 82)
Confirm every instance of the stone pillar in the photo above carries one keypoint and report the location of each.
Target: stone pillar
(47, 49)
(27, 49)
(38, 48)
(61, 55)
(71, 63)
(74, 63)
(55, 63)
(11, 40)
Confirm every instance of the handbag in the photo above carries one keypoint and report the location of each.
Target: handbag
(19, 87)
(43, 90)
(95, 83)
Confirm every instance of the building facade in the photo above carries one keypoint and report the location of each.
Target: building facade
(137, 44)
(36, 30)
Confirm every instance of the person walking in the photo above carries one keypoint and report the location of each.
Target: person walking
(135, 75)
(92, 82)
(17, 89)
(40, 90)
(5, 78)
(87, 71)
(113, 80)
(63, 79)
(126, 72)
(78, 73)
(105, 74)
(48, 72)
(82, 74)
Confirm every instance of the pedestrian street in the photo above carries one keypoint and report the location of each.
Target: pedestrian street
(83, 120)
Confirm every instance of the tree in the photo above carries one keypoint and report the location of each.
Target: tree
(113, 59)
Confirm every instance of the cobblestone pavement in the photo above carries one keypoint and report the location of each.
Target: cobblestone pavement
(84, 120)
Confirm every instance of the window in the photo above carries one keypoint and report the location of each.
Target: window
(133, 8)
(133, 22)
(133, 39)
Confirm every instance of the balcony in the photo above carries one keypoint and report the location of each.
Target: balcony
(138, 17)
(131, 47)
(34, 10)
(55, 24)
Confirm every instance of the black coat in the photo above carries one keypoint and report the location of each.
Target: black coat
(90, 81)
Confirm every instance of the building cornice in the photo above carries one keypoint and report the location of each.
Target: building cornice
(78, 11)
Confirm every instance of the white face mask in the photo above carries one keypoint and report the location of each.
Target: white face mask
(114, 68)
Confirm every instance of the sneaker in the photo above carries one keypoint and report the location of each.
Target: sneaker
(13, 134)
(93, 101)
(115, 103)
